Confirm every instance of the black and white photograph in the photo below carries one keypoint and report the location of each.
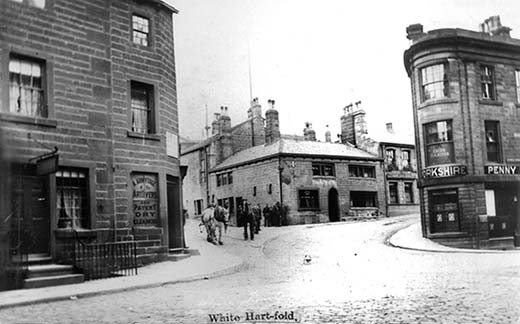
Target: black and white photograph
(259, 161)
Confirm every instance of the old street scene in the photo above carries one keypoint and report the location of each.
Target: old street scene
(196, 161)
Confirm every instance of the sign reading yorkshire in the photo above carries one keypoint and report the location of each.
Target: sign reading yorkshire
(144, 199)
(501, 169)
(444, 171)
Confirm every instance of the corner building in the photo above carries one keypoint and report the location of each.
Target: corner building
(466, 102)
(92, 85)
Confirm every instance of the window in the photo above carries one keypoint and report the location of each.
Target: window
(198, 206)
(406, 162)
(444, 214)
(363, 199)
(72, 198)
(270, 188)
(390, 159)
(26, 88)
(323, 169)
(487, 81)
(408, 193)
(224, 179)
(140, 30)
(202, 161)
(308, 199)
(230, 177)
(392, 189)
(219, 180)
(517, 83)
(254, 191)
(434, 82)
(439, 142)
(142, 108)
(492, 141)
(362, 171)
(35, 3)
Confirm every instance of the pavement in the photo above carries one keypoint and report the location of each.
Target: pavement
(210, 261)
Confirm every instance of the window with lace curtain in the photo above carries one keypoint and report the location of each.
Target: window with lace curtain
(72, 198)
(142, 108)
(26, 89)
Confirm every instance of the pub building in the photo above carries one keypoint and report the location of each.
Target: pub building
(466, 104)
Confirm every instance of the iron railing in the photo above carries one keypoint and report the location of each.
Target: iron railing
(103, 260)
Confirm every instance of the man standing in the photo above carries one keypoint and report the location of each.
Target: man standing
(257, 213)
(221, 216)
(267, 215)
(248, 221)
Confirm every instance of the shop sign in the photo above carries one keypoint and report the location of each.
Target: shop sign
(145, 199)
(445, 171)
(441, 153)
(501, 169)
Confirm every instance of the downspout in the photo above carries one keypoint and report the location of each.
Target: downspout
(280, 169)
(385, 180)
(253, 130)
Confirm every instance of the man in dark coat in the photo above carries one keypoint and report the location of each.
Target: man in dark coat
(249, 221)
(267, 215)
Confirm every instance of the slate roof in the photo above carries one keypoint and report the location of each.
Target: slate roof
(293, 148)
(191, 148)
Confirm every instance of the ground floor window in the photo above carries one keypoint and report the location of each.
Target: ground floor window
(408, 193)
(308, 199)
(444, 210)
(392, 189)
(72, 198)
(198, 206)
(363, 199)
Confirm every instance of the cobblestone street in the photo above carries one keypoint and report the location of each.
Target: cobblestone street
(352, 277)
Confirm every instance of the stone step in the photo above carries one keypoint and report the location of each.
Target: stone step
(48, 270)
(40, 258)
(53, 281)
(177, 256)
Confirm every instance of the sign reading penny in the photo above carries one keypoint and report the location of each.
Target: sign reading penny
(144, 199)
(445, 171)
(501, 169)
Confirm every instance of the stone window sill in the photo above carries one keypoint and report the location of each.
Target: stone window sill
(46, 122)
(490, 102)
(432, 102)
(69, 233)
(152, 137)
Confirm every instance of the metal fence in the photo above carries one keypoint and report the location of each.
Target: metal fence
(103, 260)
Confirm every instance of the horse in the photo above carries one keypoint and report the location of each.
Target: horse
(208, 220)
(221, 218)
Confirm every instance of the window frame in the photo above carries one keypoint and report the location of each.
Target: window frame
(314, 204)
(488, 89)
(489, 140)
(444, 211)
(320, 168)
(361, 169)
(364, 193)
(449, 141)
(409, 185)
(445, 82)
(153, 102)
(86, 217)
(390, 191)
(132, 30)
(517, 85)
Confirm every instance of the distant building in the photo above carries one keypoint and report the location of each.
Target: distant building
(466, 100)
(398, 152)
(88, 112)
(318, 181)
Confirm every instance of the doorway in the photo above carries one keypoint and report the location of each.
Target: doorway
(175, 219)
(333, 205)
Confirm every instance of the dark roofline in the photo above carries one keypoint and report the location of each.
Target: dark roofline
(199, 145)
(268, 157)
(457, 37)
(398, 144)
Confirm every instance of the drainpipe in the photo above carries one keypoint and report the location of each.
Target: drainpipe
(280, 169)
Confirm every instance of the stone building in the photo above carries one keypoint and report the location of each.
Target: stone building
(318, 181)
(398, 151)
(89, 118)
(466, 101)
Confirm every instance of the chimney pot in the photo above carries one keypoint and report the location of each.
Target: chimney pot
(414, 32)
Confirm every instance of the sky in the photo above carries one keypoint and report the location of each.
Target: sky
(312, 57)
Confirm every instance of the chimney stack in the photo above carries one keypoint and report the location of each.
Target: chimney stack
(389, 128)
(215, 124)
(272, 124)
(327, 135)
(492, 26)
(308, 133)
(414, 32)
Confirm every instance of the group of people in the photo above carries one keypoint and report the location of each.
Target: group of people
(215, 219)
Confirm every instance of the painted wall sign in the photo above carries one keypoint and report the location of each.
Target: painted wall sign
(444, 171)
(145, 199)
(502, 169)
(441, 153)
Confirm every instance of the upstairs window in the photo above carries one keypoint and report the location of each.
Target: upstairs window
(142, 108)
(406, 160)
(26, 88)
(492, 141)
(230, 177)
(487, 81)
(140, 30)
(434, 82)
(72, 198)
(323, 169)
(391, 163)
(517, 84)
(362, 171)
(439, 142)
